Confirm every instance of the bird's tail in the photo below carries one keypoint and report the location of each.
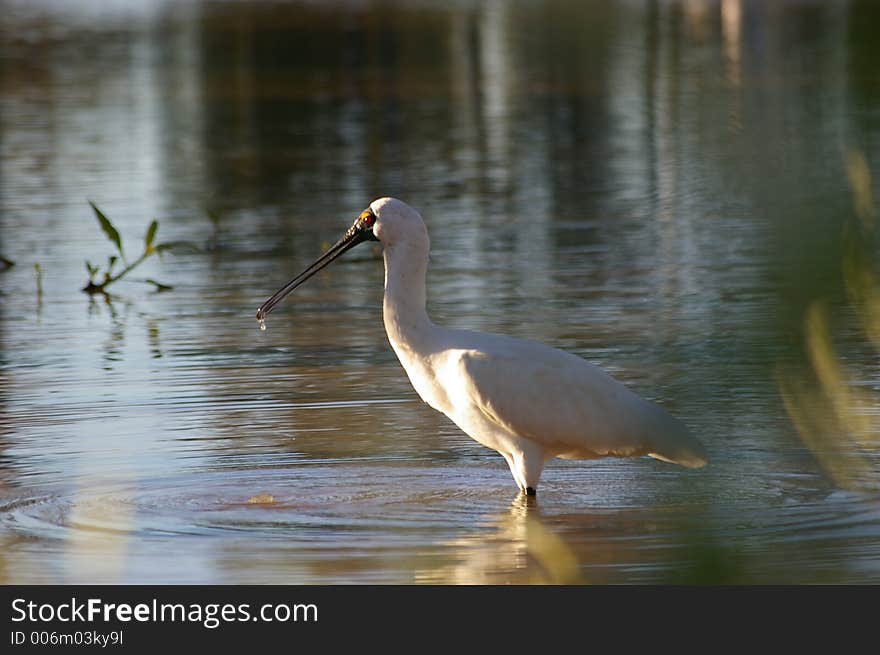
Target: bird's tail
(674, 443)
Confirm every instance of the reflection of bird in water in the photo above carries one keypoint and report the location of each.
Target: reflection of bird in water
(528, 401)
(519, 549)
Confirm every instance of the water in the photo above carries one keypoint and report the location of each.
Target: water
(661, 188)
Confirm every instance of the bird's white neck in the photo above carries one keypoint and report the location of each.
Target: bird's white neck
(406, 320)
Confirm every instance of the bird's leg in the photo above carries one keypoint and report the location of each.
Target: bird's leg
(526, 466)
(514, 471)
(529, 463)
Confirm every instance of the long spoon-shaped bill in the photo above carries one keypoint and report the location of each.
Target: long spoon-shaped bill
(359, 232)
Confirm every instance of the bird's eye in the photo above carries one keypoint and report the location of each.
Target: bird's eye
(367, 218)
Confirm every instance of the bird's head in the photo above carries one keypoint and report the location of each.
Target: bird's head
(396, 221)
(387, 220)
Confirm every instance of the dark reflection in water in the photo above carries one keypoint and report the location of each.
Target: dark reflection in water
(660, 187)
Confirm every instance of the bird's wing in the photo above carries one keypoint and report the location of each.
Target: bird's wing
(568, 405)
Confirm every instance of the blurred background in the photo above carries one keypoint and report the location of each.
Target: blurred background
(682, 192)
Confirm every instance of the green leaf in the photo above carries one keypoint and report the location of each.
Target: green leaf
(92, 269)
(159, 286)
(151, 236)
(178, 245)
(109, 229)
(111, 262)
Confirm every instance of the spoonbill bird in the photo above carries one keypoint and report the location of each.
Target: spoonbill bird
(526, 400)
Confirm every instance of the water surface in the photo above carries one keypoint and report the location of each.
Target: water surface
(663, 188)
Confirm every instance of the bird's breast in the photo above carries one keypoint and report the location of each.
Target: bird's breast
(421, 369)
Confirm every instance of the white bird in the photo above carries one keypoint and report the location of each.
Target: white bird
(526, 400)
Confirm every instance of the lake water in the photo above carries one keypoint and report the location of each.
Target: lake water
(680, 192)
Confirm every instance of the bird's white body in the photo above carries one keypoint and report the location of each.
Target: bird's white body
(526, 400)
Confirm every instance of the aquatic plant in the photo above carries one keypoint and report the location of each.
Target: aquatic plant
(834, 414)
(38, 274)
(100, 279)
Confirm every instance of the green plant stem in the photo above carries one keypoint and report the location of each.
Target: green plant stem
(92, 287)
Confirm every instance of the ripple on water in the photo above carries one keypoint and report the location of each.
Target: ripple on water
(276, 503)
(398, 521)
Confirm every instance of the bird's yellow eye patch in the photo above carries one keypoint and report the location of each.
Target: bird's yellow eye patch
(367, 218)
